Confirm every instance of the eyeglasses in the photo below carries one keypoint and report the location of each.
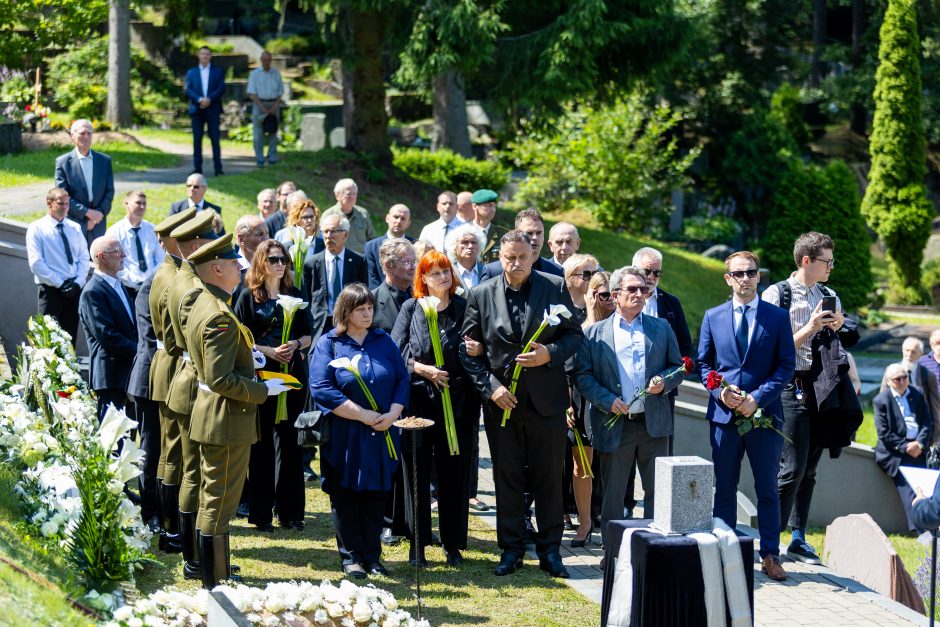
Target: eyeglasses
(332, 231)
(900, 378)
(830, 263)
(605, 296)
(438, 275)
(740, 274)
(113, 251)
(586, 274)
(193, 185)
(275, 260)
(650, 272)
(308, 217)
(634, 289)
(407, 264)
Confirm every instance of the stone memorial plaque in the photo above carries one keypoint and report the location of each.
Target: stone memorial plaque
(313, 131)
(684, 494)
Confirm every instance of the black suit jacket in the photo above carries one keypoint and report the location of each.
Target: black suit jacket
(387, 306)
(138, 383)
(487, 320)
(371, 253)
(315, 285)
(892, 432)
(183, 205)
(669, 309)
(111, 335)
(543, 264)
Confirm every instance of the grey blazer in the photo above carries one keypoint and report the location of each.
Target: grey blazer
(68, 176)
(597, 377)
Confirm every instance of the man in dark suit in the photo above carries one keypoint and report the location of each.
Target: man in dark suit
(748, 342)
(530, 222)
(106, 312)
(904, 426)
(398, 264)
(503, 313)
(196, 186)
(398, 220)
(87, 177)
(328, 271)
(610, 378)
(205, 85)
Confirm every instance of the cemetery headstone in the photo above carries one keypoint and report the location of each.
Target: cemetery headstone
(684, 494)
(313, 131)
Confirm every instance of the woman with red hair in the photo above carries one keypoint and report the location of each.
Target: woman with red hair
(435, 277)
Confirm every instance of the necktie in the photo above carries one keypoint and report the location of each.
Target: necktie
(65, 242)
(337, 284)
(141, 260)
(741, 335)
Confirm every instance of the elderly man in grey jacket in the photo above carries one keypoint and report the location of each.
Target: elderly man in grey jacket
(626, 367)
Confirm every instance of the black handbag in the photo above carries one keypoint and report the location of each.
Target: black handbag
(313, 429)
(270, 123)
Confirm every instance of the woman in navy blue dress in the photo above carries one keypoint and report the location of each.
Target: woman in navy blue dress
(355, 464)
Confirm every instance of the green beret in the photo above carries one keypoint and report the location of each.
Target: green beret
(219, 248)
(173, 221)
(199, 227)
(484, 195)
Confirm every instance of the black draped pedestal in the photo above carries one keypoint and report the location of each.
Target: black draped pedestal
(668, 588)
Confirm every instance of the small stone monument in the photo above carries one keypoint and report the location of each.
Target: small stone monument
(338, 137)
(684, 494)
(313, 131)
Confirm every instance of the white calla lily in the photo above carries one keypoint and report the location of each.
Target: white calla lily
(345, 362)
(554, 315)
(114, 426)
(429, 304)
(290, 304)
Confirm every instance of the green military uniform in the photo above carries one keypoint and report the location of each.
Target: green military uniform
(360, 226)
(490, 250)
(225, 413)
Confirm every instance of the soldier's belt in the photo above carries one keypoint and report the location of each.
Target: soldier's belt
(203, 387)
(186, 356)
(161, 346)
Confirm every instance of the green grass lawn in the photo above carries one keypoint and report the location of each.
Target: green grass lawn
(866, 433)
(39, 166)
(182, 136)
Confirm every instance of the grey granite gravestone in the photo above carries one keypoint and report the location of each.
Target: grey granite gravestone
(338, 137)
(313, 131)
(684, 494)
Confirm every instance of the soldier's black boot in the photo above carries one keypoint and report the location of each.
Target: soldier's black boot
(170, 541)
(207, 548)
(232, 570)
(191, 569)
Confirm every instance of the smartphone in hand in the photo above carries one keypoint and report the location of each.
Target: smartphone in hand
(829, 303)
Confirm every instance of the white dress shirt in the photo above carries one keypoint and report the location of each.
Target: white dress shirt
(123, 231)
(437, 232)
(332, 266)
(469, 278)
(88, 171)
(630, 348)
(45, 252)
(204, 79)
(751, 315)
(651, 308)
(115, 284)
(910, 421)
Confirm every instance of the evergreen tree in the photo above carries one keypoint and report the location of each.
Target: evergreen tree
(895, 203)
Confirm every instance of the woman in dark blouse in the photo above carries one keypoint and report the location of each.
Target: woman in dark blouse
(275, 467)
(435, 277)
(355, 464)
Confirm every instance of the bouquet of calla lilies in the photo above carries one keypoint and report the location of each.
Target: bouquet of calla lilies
(352, 365)
(291, 305)
(299, 236)
(552, 317)
(429, 304)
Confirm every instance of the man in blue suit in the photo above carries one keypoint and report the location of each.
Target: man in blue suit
(530, 222)
(205, 85)
(89, 180)
(748, 342)
(107, 315)
(398, 220)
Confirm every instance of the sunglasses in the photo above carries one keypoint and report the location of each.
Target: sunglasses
(602, 295)
(634, 289)
(653, 273)
(903, 377)
(740, 274)
(586, 274)
(277, 259)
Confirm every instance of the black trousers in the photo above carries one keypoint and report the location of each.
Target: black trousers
(64, 310)
(357, 518)
(147, 415)
(903, 487)
(473, 412)
(797, 477)
(276, 465)
(116, 397)
(530, 453)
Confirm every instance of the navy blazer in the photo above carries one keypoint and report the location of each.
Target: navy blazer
(542, 264)
(371, 253)
(183, 205)
(315, 285)
(892, 430)
(597, 377)
(139, 380)
(764, 371)
(216, 89)
(111, 334)
(68, 176)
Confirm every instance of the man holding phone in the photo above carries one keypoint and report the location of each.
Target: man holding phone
(812, 309)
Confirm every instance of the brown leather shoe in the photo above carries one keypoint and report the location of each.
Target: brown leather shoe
(771, 567)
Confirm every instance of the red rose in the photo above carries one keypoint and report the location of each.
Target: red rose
(62, 394)
(687, 365)
(713, 381)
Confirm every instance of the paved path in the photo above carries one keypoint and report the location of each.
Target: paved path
(812, 595)
(31, 198)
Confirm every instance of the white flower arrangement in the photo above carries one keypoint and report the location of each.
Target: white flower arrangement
(281, 603)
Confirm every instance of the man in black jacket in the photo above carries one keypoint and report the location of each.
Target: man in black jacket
(196, 187)
(503, 313)
(397, 258)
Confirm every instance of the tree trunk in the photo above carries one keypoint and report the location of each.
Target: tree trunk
(859, 122)
(281, 17)
(119, 64)
(819, 41)
(450, 113)
(364, 84)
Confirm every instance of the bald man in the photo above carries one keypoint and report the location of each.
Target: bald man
(465, 207)
(398, 220)
(563, 241)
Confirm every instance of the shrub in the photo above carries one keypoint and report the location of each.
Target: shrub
(290, 45)
(80, 77)
(448, 170)
(786, 107)
(712, 230)
(814, 198)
